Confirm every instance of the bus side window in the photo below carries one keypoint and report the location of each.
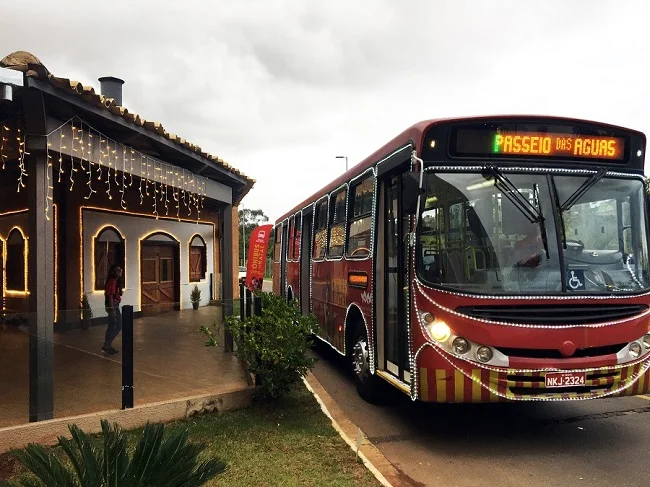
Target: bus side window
(320, 231)
(291, 236)
(337, 224)
(360, 220)
(277, 249)
(296, 236)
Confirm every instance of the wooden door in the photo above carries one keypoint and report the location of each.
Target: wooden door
(158, 269)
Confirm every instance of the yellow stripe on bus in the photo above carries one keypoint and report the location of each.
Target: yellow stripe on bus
(441, 385)
(424, 384)
(476, 385)
(459, 384)
(641, 384)
(494, 385)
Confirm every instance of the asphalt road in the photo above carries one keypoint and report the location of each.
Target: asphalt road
(594, 443)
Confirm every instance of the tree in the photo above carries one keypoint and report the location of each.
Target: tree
(249, 220)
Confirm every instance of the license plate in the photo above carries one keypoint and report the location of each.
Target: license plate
(565, 379)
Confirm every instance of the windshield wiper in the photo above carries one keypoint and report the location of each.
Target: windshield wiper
(582, 189)
(558, 215)
(513, 194)
(542, 226)
(533, 214)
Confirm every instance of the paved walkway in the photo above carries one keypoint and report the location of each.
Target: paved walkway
(170, 362)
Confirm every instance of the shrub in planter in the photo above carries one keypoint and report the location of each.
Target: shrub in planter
(155, 462)
(273, 346)
(195, 297)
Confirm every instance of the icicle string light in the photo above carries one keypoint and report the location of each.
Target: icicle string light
(79, 146)
(3, 142)
(21, 160)
(122, 202)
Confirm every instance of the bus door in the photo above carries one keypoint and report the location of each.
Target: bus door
(392, 305)
(305, 261)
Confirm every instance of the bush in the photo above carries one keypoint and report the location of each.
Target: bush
(155, 462)
(273, 346)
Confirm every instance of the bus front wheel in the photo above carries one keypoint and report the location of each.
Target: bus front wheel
(367, 384)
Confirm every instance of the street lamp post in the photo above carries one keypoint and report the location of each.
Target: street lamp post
(346, 161)
(243, 231)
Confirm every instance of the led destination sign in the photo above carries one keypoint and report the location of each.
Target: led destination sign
(558, 145)
(491, 142)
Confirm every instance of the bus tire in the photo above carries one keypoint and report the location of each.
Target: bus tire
(368, 385)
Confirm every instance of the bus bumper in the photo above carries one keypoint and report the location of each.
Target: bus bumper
(444, 378)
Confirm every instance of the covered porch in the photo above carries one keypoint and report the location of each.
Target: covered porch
(170, 362)
(93, 185)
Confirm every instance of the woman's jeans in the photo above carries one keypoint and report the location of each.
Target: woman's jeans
(114, 325)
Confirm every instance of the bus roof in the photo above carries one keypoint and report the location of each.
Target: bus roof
(415, 134)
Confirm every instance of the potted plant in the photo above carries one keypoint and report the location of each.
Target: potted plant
(195, 297)
(86, 312)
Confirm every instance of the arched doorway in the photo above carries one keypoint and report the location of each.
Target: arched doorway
(159, 273)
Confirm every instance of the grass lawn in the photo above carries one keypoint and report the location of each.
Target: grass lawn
(291, 443)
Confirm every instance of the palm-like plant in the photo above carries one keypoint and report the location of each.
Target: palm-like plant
(156, 462)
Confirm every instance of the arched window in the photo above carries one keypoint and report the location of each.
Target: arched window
(16, 267)
(109, 250)
(198, 259)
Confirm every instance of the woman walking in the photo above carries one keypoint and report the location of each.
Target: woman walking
(112, 298)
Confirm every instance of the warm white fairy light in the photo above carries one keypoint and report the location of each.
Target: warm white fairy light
(161, 177)
(21, 160)
(131, 158)
(146, 183)
(102, 155)
(48, 195)
(122, 202)
(175, 193)
(61, 147)
(91, 191)
(111, 154)
(166, 201)
(3, 140)
(155, 192)
(80, 140)
(116, 157)
(141, 180)
(117, 165)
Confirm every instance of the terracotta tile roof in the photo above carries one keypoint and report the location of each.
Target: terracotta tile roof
(32, 67)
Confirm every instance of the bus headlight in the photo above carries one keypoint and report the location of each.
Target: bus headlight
(460, 346)
(635, 349)
(484, 354)
(646, 340)
(437, 329)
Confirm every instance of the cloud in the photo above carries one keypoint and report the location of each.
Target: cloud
(280, 88)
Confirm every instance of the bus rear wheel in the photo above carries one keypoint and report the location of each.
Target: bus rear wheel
(368, 385)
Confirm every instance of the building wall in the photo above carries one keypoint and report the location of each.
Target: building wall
(134, 229)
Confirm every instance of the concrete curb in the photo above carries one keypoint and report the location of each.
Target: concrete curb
(47, 432)
(373, 459)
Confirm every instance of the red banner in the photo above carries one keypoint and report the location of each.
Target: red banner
(256, 264)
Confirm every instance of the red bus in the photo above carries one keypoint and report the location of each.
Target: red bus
(482, 259)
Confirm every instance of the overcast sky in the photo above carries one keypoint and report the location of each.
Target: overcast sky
(278, 88)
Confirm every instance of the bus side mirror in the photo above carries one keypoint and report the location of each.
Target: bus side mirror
(410, 192)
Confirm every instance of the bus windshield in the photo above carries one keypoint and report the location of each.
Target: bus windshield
(494, 233)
